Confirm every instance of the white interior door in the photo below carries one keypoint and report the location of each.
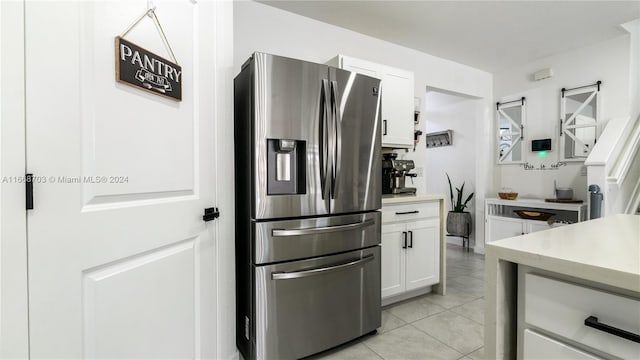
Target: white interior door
(13, 231)
(121, 264)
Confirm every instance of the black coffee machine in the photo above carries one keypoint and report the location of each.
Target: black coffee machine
(394, 172)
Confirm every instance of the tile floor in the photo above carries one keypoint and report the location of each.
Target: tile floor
(430, 326)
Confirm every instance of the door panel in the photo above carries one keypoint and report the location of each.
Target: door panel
(423, 255)
(111, 330)
(299, 316)
(288, 99)
(393, 259)
(358, 183)
(117, 267)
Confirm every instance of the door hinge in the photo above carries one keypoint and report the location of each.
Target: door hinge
(211, 214)
(28, 181)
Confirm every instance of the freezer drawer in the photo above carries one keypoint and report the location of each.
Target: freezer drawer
(286, 240)
(304, 307)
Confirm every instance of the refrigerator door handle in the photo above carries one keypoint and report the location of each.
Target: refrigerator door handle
(324, 138)
(337, 132)
(319, 271)
(322, 230)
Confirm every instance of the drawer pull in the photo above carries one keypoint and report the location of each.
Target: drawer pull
(407, 212)
(320, 271)
(321, 230)
(592, 321)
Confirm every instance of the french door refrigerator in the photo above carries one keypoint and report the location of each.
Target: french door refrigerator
(308, 189)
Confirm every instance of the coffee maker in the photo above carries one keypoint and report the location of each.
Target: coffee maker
(394, 173)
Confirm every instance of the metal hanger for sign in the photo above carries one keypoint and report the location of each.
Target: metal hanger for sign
(151, 12)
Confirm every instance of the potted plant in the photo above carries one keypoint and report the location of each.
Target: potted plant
(458, 220)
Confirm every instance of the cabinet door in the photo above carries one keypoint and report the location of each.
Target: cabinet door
(502, 228)
(393, 259)
(397, 108)
(423, 253)
(361, 66)
(534, 226)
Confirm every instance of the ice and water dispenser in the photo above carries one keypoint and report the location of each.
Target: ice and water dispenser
(286, 164)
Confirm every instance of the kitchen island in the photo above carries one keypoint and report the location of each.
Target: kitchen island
(549, 292)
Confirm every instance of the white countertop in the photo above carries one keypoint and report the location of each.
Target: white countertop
(605, 250)
(396, 199)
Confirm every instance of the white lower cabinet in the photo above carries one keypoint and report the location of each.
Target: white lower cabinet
(578, 321)
(502, 222)
(499, 228)
(410, 251)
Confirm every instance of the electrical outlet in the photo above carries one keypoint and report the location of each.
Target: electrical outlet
(418, 171)
(583, 171)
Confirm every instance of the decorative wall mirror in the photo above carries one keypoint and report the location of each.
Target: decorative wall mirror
(510, 118)
(579, 115)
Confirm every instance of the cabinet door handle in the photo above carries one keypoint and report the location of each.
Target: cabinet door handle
(404, 239)
(592, 322)
(384, 127)
(407, 212)
(411, 239)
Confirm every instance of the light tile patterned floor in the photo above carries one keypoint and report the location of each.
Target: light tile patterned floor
(430, 326)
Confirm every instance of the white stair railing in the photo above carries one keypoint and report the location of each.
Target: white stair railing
(614, 165)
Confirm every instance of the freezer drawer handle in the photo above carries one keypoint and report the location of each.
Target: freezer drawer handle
(592, 321)
(319, 271)
(321, 230)
(407, 212)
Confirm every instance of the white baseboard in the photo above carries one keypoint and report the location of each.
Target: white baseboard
(454, 240)
(404, 296)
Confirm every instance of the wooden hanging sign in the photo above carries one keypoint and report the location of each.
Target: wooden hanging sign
(145, 70)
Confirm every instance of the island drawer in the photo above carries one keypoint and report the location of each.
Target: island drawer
(537, 346)
(410, 211)
(584, 315)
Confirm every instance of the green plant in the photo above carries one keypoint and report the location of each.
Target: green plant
(458, 206)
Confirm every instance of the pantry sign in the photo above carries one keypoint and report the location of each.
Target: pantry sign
(145, 70)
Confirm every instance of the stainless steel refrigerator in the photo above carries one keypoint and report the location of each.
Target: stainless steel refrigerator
(308, 189)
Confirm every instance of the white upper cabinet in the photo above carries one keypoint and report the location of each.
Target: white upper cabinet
(397, 99)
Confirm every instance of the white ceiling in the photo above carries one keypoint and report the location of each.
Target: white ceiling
(489, 35)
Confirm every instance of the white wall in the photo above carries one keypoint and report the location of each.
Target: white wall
(258, 27)
(608, 62)
(460, 114)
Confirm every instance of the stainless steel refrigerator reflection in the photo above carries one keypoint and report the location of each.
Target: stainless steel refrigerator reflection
(308, 187)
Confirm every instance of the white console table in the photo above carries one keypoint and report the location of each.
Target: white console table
(502, 222)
